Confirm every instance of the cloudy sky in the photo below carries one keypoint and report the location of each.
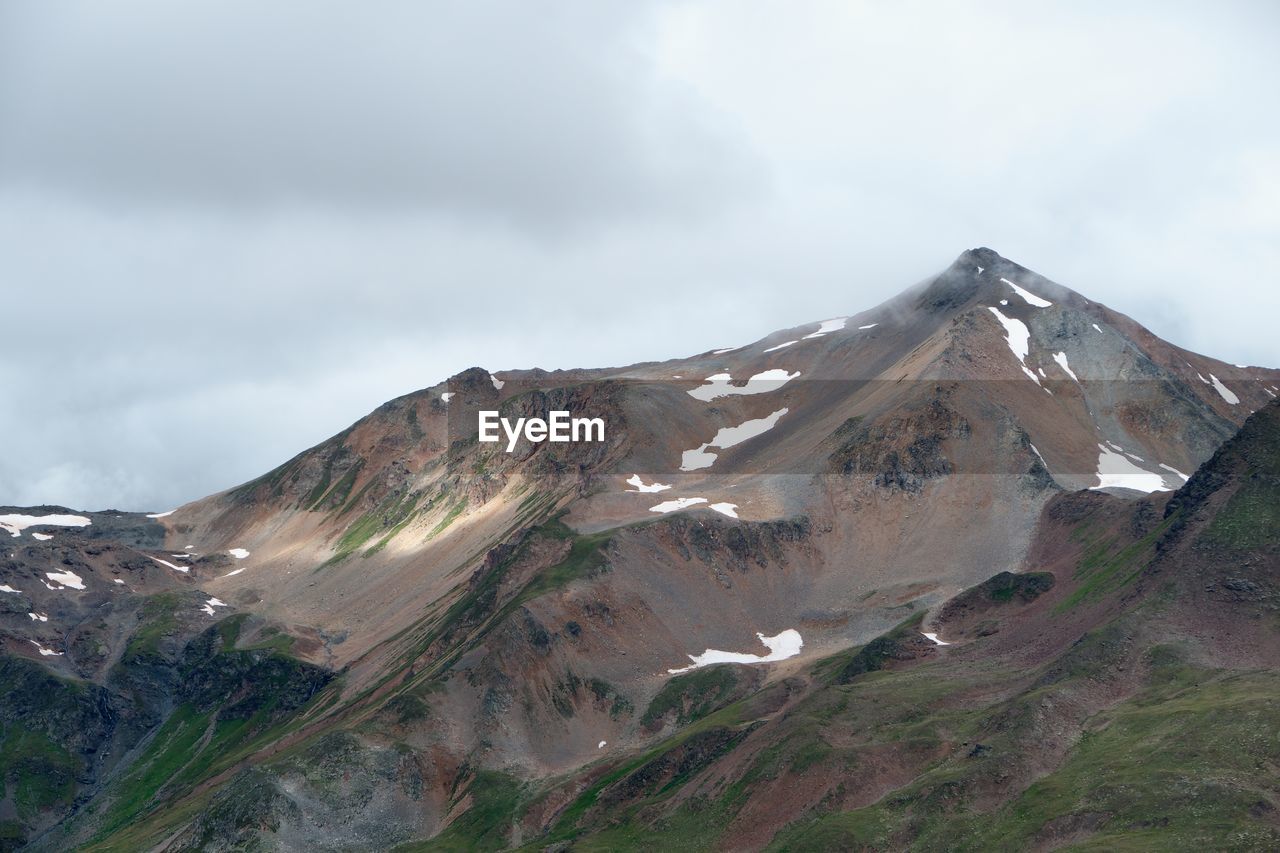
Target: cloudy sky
(228, 229)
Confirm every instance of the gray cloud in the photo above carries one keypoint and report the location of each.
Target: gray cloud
(227, 232)
(539, 113)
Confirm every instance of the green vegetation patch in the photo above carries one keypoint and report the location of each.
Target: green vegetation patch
(323, 497)
(455, 510)
(37, 773)
(1007, 586)
(1179, 767)
(232, 701)
(156, 621)
(390, 516)
(691, 696)
(1108, 565)
(1183, 765)
(1251, 517)
(495, 802)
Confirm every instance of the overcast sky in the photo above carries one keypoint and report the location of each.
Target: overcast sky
(228, 229)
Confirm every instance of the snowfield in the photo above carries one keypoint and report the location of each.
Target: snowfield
(727, 437)
(1116, 471)
(827, 326)
(760, 383)
(782, 646)
(212, 603)
(67, 579)
(1226, 393)
(44, 651)
(640, 486)
(677, 503)
(728, 509)
(1061, 358)
(16, 523)
(1031, 298)
(1019, 339)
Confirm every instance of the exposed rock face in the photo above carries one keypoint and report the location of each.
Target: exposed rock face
(903, 451)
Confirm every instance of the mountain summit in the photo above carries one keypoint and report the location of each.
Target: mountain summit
(409, 631)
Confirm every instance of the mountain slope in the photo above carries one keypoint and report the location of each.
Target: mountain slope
(1089, 702)
(448, 625)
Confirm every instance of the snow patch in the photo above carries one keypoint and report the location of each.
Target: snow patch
(727, 437)
(4, 587)
(67, 578)
(38, 617)
(678, 503)
(447, 396)
(1018, 337)
(783, 646)
(117, 580)
(238, 553)
(601, 744)
(1115, 470)
(780, 346)
(761, 383)
(1041, 455)
(934, 637)
(168, 565)
(44, 651)
(684, 503)
(868, 326)
(161, 514)
(43, 537)
(1224, 390)
(497, 383)
(15, 523)
(1061, 358)
(827, 326)
(1095, 325)
(1031, 298)
(728, 509)
(212, 603)
(1175, 471)
(725, 350)
(234, 572)
(640, 486)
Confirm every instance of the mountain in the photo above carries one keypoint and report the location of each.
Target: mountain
(406, 633)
